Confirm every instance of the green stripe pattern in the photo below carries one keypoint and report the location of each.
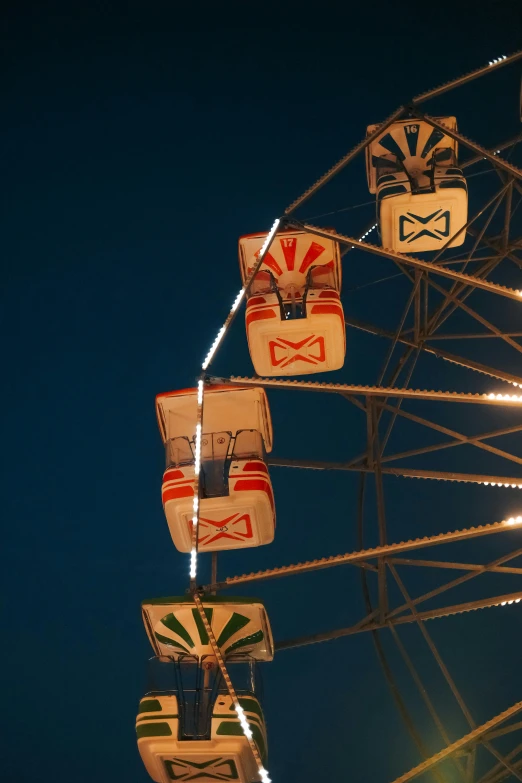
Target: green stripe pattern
(173, 624)
(153, 730)
(246, 641)
(150, 705)
(233, 729)
(182, 631)
(203, 635)
(235, 624)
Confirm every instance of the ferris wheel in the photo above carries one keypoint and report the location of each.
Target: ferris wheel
(432, 298)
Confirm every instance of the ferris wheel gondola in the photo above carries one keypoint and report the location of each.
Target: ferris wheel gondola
(294, 316)
(192, 731)
(422, 195)
(237, 503)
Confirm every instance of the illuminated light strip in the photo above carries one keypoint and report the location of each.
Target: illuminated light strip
(199, 419)
(466, 78)
(247, 731)
(373, 391)
(385, 550)
(463, 362)
(451, 611)
(505, 397)
(366, 234)
(213, 348)
(193, 564)
(241, 294)
(499, 484)
(473, 735)
(462, 480)
(238, 300)
(269, 237)
(498, 60)
(418, 263)
(364, 625)
(197, 469)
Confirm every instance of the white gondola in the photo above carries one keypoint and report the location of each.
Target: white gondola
(237, 506)
(222, 754)
(422, 196)
(240, 625)
(192, 731)
(294, 316)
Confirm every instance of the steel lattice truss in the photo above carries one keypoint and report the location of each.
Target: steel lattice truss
(461, 308)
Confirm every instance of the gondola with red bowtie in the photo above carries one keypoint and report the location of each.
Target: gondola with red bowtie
(237, 502)
(294, 316)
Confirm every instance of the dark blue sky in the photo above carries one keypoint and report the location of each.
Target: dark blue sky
(137, 146)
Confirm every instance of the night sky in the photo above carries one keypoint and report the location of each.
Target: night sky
(138, 145)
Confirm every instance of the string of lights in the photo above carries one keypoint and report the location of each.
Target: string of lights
(197, 483)
(201, 391)
(247, 731)
(241, 293)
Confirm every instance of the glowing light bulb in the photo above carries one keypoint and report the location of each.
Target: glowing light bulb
(213, 348)
(269, 236)
(506, 397)
(237, 300)
(243, 721)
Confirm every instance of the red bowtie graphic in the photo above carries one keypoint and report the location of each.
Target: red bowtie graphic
(288, 351)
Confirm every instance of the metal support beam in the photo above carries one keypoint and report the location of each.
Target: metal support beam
(439, 353)
(504, 400)
(463, 742)
(408, 260)
(369, 624)
(514, 482)
(367, 554)
(467, 77)
(495, 160)
(340, 165)
(456, 582)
